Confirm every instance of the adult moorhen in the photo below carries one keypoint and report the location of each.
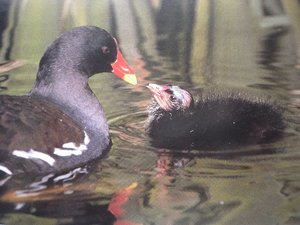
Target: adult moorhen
(60, 124)
(215, 120)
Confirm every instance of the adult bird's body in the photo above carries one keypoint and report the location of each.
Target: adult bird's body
(60, 124)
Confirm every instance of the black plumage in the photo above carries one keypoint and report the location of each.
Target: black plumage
(215, 120)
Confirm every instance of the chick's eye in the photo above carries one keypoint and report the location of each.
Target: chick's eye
(172, 98)
(105, 50)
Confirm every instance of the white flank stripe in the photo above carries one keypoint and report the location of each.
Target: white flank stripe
(86, 138)
(32, 154)
(67, 152)
(5, 170)
(70, 148)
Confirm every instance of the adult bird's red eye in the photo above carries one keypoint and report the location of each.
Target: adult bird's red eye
(105, 50)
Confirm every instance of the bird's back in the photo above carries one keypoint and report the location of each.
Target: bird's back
(219, 121)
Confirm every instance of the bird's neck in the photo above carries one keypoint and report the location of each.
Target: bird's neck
(74, 97)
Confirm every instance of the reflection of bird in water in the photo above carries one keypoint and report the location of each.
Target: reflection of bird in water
(55, 202)
(213, 121)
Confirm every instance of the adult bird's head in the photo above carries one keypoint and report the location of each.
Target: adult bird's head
(86, 49)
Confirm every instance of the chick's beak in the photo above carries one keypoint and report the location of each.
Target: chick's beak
(160, 95)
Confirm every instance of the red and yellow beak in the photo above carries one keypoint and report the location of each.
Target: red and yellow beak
(122, 69)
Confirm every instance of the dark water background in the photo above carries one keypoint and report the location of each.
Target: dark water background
(250, 45)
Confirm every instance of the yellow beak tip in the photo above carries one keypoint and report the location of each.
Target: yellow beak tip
(130, 78)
